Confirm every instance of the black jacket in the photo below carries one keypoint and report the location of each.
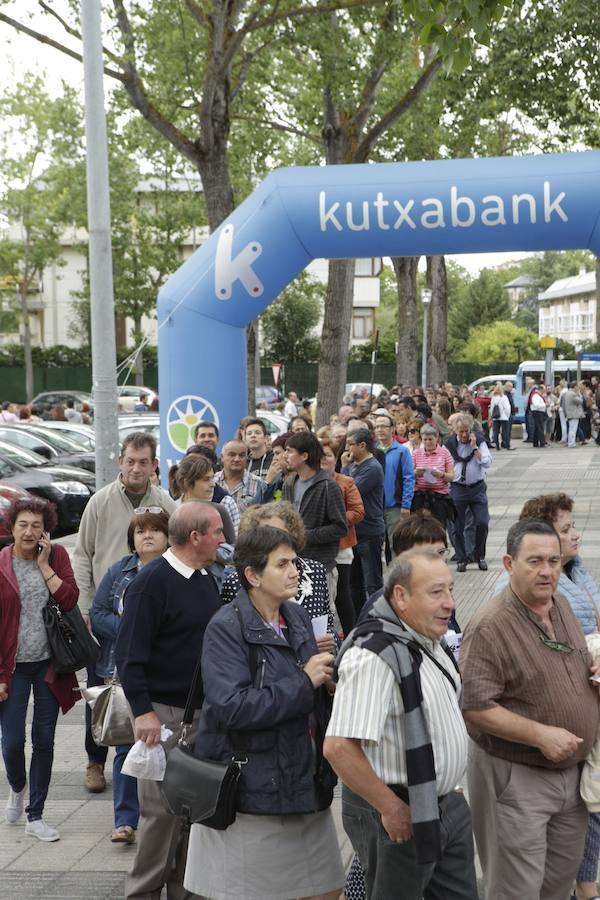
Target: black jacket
(324, 515)
(261, 705)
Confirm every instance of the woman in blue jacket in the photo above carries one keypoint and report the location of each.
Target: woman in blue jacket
(266, 694)
(582, 592)
(147, 539)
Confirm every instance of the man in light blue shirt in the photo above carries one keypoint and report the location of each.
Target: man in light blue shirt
(471, 457)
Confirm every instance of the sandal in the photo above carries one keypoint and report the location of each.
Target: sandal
(124, 834)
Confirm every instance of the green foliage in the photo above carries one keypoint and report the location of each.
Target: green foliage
(500, 341)
(288, 323)
(484, 301)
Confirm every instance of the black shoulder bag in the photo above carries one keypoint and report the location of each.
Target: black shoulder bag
(72, 647)
(202, 791)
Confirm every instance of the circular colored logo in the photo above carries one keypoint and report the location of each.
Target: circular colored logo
(183, 416)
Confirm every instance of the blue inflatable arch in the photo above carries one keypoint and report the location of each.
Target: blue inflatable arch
(547, 202)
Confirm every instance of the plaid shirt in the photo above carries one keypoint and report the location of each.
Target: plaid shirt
(249, 488)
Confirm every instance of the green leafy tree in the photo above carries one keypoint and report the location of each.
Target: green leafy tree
(485, 301)
(289, 322)
(500, 342)
(41, 185)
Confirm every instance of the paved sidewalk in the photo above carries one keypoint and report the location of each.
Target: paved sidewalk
(84, 865)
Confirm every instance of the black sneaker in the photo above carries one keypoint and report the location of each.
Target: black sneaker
(461, 567)
(482, 565)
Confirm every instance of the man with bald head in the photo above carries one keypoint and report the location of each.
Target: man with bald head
(398, 742)
(244, 487)
(166, 610)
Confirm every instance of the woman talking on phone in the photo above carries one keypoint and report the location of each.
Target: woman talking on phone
(31, 570)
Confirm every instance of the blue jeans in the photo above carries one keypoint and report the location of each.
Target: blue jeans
(366, 572)
(125, 796)
(13, 712)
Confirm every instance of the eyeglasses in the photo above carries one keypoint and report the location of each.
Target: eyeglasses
(150, 509)
(556, 645)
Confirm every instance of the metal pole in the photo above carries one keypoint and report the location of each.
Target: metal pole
(424, 357)
(104, 358)
(373, 366)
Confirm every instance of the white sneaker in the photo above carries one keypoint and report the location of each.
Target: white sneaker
(14, 807)
(41, 831)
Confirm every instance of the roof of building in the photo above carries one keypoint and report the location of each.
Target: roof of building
(584, 283)
(521, 281)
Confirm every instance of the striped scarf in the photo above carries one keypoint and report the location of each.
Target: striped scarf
(383, 633)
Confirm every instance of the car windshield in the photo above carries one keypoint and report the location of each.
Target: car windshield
(60, 441)
(83, 439)
(21, 438)
(20, 456)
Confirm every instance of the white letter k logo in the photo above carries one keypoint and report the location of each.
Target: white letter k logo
(228, 270)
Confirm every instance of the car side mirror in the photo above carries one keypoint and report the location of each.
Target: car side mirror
(44, 451)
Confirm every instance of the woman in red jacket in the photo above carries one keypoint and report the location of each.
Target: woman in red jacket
(355, 513)
(30, 571)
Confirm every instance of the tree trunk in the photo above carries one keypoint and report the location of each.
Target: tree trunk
(139, 360)
(253, 363)
(26, 340)
(437, 361)
(335, 338)
(405, 269)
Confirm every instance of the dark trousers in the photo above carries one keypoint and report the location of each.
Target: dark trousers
(366, 571)
(529, 425)
(539, 428)
(501, 427)
(13, 712)
(473, 497)
(392, 870)
(343, 599)
(95, 753)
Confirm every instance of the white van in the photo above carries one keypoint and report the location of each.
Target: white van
(488, 381)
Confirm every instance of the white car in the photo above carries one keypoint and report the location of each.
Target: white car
(129, 395)
(275, 423)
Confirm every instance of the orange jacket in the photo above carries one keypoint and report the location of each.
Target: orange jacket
(355, 511)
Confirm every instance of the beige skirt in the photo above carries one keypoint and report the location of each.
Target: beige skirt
(265, 858)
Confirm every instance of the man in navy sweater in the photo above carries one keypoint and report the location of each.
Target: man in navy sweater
(166, 611)
(366, 574)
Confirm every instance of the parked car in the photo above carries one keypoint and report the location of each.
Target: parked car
(52, 445)
(266, 393)
(83, 434)
(275, 423)
(129, 395)
(55, 397)
(68, 487)
(8, 494)
(357, 387)
(148, 422)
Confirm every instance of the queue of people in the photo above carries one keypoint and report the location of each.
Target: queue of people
(316, 666)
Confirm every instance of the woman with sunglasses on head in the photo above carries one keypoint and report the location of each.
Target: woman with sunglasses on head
(31, 572)
(582, 592)
(413, 433)
(147, 537)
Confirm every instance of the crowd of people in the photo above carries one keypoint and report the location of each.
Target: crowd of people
(311, 577)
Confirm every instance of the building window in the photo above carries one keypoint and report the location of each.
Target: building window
(369, 267)
(363, 324)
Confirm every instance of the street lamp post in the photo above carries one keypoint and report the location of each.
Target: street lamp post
(425, 300)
